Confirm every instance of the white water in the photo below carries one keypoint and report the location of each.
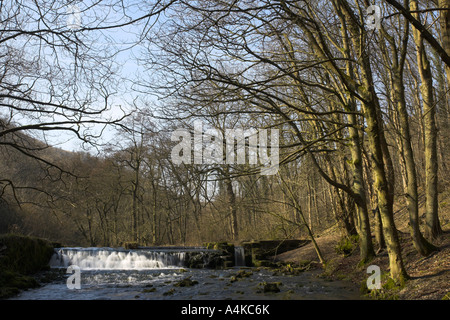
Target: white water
(113, 259)
(239, 256)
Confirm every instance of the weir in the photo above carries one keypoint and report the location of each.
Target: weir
(121, 259)
(239, 256)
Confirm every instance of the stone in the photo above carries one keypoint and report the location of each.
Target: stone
(187, 282)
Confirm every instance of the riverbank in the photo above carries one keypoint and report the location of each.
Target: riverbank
(21, 258)
(430, 276)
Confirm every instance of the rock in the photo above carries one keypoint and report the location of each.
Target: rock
(130, 245)
(265, 263)
(223, 257)
(169, 293)
(211, 260)
(292, 269)
(187, 282)
(270, 286)
(21, 257)
(240, 275)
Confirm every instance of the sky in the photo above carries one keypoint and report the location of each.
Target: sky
(115, 40)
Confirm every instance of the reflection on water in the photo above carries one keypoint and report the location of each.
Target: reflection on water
(154, 284)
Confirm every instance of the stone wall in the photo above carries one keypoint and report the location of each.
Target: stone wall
(261, 253)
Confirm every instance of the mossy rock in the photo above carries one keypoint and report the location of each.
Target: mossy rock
(292, 269)
(270, 287)
(25, 254)
(187, 282)
(169, 293)
(210, 260)
(347, 245)
(265, 263)
(8, 292)
(20, 257)
(241, 275)
(131, 245)
(222, 246)
(389, 289)
(12, 282)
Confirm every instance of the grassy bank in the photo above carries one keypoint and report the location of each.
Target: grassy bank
(20, 258)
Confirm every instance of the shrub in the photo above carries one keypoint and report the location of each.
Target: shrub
(347, 245)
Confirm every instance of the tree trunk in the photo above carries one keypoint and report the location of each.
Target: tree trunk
(232, 206)
(379, 230)
(420, 243)
(378, 147)
(154, 215)
(397, 269)
(432, 226)
(134, 232)
(367, 251)
(408, 165)
(445, 30)
(378, 227)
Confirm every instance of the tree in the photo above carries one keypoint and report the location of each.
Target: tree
(432, 227)
(56, 80)
(397, 56)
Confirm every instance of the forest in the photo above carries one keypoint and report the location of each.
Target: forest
(359, 97)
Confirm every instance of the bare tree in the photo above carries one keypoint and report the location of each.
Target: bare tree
(59, 71)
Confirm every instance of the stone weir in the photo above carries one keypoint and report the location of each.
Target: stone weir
(139, 258)
(215, 255)
(262, 253)
(257, 253)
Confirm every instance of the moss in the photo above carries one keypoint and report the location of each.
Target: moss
(21, 256)
(130, 245)
(169, 293)
(225, 246)
(270, 286)
(240, 275)
(347, 245)
(389, 289)
(25, 254)
(292, 268)
(7, 292)
(187, 282)
(447, 296)
(263, 263)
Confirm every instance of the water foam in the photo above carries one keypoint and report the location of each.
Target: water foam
(116, 259)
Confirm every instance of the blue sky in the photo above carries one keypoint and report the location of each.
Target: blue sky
(118, 41)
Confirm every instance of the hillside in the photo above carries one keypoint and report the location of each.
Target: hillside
(429, 276)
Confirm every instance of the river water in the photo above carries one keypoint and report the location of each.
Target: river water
(109, 275)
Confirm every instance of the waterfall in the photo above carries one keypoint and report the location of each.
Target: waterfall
(118, 259)
(239, 256)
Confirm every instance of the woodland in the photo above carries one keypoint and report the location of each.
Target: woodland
(361, 107)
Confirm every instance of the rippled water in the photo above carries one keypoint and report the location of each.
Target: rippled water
(154, 284)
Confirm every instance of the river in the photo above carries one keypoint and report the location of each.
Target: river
(120, 275)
